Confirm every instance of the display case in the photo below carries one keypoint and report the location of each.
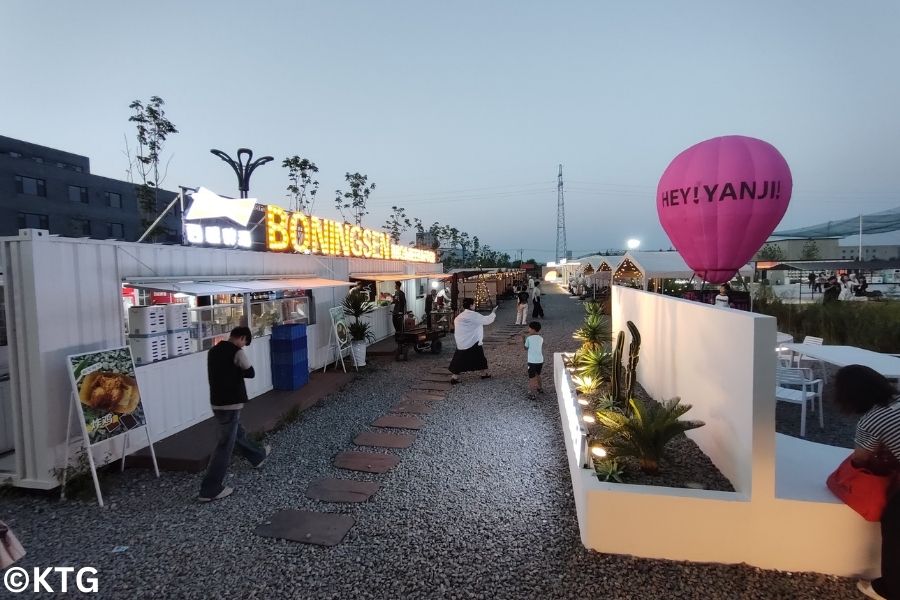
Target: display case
(213, 317)
(268, 309)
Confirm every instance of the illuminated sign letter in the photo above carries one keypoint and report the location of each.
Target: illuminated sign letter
(356, 246)
(367, 243)
(297, 229)
(276, 228)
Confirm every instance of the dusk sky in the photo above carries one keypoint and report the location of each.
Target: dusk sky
(460, 112)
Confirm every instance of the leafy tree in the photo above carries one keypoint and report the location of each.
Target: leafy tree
(810, 251)
(770, 252)
(397, 223)
(152, 131)
(355, 199)
(302, 189)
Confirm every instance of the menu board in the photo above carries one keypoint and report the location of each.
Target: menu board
(107, 392)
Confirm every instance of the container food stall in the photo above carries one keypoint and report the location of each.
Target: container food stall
(66, 296)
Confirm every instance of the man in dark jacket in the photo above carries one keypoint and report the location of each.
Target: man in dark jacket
(227, 367)
(399, 310)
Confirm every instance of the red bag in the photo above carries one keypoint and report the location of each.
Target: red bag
(860, 489)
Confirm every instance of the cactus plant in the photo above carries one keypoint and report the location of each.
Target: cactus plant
(615, 383)
(631, 371)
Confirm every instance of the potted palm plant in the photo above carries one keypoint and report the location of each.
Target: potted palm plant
(361, 334)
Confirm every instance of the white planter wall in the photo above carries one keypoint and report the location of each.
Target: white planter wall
(722, 362)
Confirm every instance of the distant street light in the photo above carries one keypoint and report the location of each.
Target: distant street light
(243, 169)
(633, 244)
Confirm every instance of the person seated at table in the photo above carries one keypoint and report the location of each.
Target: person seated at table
(832, 290)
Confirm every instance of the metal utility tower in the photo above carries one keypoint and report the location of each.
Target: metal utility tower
(560, 220)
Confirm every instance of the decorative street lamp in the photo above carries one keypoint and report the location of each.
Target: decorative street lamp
(243, 169)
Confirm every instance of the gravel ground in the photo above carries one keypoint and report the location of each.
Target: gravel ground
(480, 507)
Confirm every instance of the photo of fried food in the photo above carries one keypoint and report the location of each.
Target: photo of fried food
(111, 392)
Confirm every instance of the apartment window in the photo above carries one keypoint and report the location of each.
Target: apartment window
(33, 221)
(80, 227)
(31, 186)
(78, 194)
(37, 159)
(115, 230)
(113, 200)
(15, 154)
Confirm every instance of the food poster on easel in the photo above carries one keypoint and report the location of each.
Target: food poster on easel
(107, 390)
(108, 401)
(341, 333)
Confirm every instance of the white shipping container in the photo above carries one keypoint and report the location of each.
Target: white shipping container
(178, 343)
(146, 350)
(146, 320)
(177, 317)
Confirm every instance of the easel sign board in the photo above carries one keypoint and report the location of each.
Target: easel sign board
(106, 387)
(341, 332)
(107, 401)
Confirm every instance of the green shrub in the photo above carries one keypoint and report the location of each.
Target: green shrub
(644, 432)
(594, 363)
(594, 331)
(871, 325)
(609, 469)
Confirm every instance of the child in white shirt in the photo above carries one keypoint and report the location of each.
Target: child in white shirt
(534, 344)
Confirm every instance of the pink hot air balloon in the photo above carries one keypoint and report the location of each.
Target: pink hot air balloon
(719, 201)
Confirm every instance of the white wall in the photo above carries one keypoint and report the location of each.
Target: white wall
(707, 357)
(722, 362)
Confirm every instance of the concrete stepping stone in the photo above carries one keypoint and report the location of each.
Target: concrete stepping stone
(440, 386)
(341, 490)
(444, 371)
(415, 408)
(322, 529)
(380, 439)
(398, 422)
(443, 378)
(422, 397)
(367, 462)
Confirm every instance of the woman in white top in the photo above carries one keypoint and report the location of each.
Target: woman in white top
(846, 288)
(864, 391)
(469, 334)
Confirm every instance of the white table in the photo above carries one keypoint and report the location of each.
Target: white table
(841, 356)
(783, 338)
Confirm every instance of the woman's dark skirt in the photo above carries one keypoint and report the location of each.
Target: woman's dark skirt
(470, 359)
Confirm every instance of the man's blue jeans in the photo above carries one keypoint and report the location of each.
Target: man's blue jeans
(231, 437)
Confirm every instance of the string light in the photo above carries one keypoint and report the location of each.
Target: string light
(627, 273)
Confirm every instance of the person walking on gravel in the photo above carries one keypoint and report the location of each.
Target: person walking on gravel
(469, 334)
(534, 344)
(227, 367)
(536, 300)
(522, 307)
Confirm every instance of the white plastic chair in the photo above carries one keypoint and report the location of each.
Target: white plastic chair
(798, 387)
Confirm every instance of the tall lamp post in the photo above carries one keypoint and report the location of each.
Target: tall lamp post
(243, 168)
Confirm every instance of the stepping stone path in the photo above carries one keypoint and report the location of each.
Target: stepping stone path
(437, 378)
(421, 397)
(379, 439)
(443, 372)
(440, 386)
(341, 490)
(323, 529)
(398, 422)
(367, 462)
(415, 408)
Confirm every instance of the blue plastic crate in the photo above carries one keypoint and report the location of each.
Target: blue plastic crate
(291, 369)
(289, 359)
(290, 380)
(279, 346)
(291, 331)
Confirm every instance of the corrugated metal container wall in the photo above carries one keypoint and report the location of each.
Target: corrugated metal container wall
(64, 297)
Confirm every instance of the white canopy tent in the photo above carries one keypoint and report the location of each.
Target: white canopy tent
(660, 265)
